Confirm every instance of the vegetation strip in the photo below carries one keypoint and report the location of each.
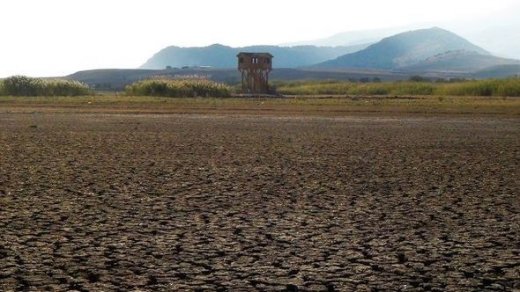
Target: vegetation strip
(329, 106)
(488, 87)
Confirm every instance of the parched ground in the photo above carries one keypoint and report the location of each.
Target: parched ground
(92, 201)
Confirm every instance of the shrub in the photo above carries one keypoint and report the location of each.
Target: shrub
(26, 86)
(178, 88)
(20, 86)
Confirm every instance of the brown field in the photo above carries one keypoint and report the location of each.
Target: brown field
(361, 194)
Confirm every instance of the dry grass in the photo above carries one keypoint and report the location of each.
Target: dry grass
(292, 105)
(488, 87)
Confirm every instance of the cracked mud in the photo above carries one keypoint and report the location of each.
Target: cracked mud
(93, 202)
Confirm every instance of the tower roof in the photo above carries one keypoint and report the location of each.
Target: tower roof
(251, 54)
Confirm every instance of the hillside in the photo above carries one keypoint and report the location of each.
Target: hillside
(220, 56)
(432, 53)
(459, 62)
(349, 38)
(117, 79)
(500, 71)
(404, 49)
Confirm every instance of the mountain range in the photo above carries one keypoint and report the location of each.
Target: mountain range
(433, 52)
(220, 56)
(421, 51)
(404, 49)
(349, 38)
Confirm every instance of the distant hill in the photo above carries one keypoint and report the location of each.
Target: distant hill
(110, 79)
(432, 53)
(117, 79)
(350, 38)
(500, 71)
(459, 62)
(219, 56)
(404, 49)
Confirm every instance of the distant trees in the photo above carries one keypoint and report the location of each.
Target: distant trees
(27, 86)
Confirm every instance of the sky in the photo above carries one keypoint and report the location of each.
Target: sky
(60, 37)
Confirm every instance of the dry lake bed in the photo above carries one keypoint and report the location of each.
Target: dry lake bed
(94, 201)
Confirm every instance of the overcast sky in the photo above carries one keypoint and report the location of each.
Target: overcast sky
(59, 37)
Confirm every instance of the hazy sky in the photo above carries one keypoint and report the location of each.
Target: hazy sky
(59, 37)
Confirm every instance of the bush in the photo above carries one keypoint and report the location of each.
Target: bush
(178, 88)
(26, 86)
(20, 86)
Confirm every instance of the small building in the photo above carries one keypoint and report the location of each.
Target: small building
(255, 68)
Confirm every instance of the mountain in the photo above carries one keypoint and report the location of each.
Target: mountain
(434, 53)
(351, 38)
(220, 56)
(500, 71)
(404, 49)
(498, 31)
(459, 62)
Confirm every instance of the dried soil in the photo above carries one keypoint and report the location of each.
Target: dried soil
(181, 202)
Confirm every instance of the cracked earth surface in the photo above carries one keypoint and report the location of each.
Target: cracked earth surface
(93, 202)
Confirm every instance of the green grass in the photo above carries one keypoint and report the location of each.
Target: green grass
(490, 87)
(310, 97)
